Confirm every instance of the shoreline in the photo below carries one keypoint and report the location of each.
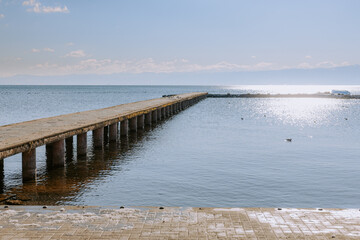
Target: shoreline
(85, 222)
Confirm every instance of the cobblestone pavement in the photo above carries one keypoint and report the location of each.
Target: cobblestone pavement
(18, 222)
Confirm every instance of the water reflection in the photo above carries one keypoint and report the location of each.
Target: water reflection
(300, 111)
(55, 186)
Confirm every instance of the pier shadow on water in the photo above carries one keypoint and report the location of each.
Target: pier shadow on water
(56, 186)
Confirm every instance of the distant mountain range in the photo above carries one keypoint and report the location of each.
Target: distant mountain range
(339, 75)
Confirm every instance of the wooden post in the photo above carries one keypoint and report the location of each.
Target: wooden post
(81, 144)
(29, 165)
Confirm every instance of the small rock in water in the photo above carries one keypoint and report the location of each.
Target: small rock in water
(346, 119)
(161, 207)
(242, 118)
(62, 209)
(6, 206)
(44, 206)
(279, 209)
(320, 209)
(289, 139)
(122, 207)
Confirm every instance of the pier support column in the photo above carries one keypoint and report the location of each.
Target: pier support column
(124, 127)
(69, 148)
(98, 135)
(2, 176)
(133, 124)
(141, 121)
(29, 165)
(113, 132)
(106, 134)
(167, 111)
(58, 154)
(154, 116)
(159, 114)
(69, 142)
(148, 119)
(171, 110)
(162, 113)
(81, 144)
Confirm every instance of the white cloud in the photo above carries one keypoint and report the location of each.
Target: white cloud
(253, 57)
(70, 44)
(109, 66)
(36, 50)
(49, 50)
(308, 57)
(76, 54)
(113, 66)
(36, 7)
(2, 16)
(324, 64)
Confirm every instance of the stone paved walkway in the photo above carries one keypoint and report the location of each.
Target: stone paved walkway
(17, 222)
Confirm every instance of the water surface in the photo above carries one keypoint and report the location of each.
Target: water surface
(219, 152)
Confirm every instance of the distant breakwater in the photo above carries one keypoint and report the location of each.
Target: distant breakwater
(257, 95)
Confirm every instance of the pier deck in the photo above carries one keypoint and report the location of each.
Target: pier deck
(20, 137)
(54, 132)
(177, 223)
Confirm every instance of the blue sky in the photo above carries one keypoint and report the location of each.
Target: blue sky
(59, 38)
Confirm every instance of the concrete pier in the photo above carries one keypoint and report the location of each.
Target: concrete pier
(29, 165)
(81, 144)
(98, 137)
(53, 132)
(124, 127)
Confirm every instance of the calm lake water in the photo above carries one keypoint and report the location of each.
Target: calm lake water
(204, 156)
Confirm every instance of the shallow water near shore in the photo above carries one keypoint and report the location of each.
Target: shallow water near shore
(219, 152)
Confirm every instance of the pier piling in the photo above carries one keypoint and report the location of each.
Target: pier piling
(98, 136)
(113, 132)
(148, 119)
(154, 116)
(29, 165)
(133, 124)
(124, 127)
(141, 121)
(58, 154)
(81, 144)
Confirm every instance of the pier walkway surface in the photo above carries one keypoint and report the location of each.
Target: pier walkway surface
(76, 222)
(20, 137)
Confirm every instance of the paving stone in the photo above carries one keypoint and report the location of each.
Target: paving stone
(21, 222)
